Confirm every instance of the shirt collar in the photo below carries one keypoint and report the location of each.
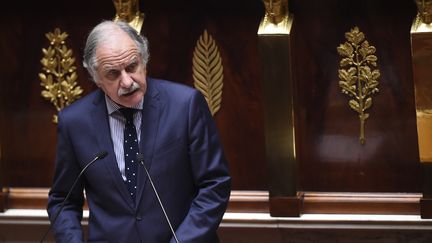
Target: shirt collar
(113, 107)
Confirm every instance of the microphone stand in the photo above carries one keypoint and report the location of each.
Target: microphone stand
(99, 155)
(140, 158)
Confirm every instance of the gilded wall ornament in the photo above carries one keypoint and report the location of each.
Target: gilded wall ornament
(58, 75)
(424, 11)
(358, 78)
(208, 71)
(423, 20)
(128, 11)
(276, 10)
(277, 19)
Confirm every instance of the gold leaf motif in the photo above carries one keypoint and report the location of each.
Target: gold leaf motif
(208, 71)
(358, 80)
(58, 64)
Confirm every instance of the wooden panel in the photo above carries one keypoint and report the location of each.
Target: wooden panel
(248, 202)
(27, 136)
(361, 203)
(2, 200)
(36, 198)
(26, 198)
(286, 206)
(426, 200)
(261, 228)
(331, 157)
(259, 202)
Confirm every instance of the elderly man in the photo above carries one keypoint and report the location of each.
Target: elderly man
(167, 124)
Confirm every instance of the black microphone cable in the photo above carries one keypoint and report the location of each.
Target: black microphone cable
(98, 156)
(140, 158)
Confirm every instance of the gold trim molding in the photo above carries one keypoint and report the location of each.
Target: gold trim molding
(58, 76)
(358, 78)
(208, 71)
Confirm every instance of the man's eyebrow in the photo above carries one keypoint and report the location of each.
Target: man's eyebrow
(107, 68)
(130, 60)
(127, 54)
(134, 58)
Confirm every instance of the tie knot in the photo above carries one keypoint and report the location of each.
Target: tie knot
(128, 113)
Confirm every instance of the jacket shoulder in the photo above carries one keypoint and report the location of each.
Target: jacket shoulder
(174, 91)
(83, 105)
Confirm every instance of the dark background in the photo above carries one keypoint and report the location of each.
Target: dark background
(329, 155)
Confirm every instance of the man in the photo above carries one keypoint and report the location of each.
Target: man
(175, 134)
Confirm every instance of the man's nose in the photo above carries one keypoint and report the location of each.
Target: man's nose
(125, 79)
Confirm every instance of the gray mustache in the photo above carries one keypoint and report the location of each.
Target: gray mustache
(132, 88)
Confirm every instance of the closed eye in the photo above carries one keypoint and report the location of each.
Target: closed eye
(132, 67)
(112, 74)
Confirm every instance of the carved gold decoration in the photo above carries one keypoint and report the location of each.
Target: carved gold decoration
(59, 76)
(128, 11)
(208, 71)
(276, 10)
(424, 10)
(357, 79)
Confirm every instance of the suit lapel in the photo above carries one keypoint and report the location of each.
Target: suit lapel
(152, 109)
(102, 131)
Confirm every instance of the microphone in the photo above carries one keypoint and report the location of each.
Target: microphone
(98, 156)
(140, 158)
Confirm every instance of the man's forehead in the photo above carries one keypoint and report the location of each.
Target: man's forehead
(108, 58)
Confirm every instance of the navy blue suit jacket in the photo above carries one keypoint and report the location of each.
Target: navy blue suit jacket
(182, 151)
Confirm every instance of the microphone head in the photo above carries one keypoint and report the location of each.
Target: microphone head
(101, 154)
(140, 157)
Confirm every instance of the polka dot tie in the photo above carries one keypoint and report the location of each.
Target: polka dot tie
(130, 147)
